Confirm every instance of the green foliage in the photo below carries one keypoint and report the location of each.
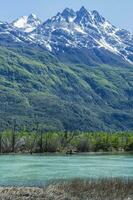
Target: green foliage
(67, 142)
(62, 95)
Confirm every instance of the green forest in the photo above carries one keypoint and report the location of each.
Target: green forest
(64, 95)
(64, 142)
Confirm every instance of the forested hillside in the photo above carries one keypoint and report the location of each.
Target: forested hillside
(38, 87)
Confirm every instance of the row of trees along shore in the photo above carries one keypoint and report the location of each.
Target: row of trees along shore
(38, 140)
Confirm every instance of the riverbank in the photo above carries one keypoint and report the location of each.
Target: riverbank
(114, 189)
(67, 153)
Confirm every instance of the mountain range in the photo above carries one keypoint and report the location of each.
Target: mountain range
(72, 72)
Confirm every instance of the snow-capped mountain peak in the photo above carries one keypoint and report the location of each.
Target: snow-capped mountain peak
(71, 29)
(33, 16)
(83, 17)
(83, 10)
(97, 17)
(27, 23)
(68, 14)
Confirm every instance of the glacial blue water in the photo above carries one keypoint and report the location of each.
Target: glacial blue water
(38, 170)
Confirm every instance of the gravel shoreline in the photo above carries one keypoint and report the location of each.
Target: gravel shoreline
(18, 193)
(74, 190)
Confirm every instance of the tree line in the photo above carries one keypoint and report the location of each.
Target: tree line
(40, 141)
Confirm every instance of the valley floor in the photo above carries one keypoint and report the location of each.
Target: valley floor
(74, 190)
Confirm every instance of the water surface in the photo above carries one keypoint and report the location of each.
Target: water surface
(40, 169)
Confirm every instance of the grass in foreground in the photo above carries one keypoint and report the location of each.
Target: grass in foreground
(75, 190)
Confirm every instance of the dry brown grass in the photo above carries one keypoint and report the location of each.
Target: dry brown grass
(75, 190)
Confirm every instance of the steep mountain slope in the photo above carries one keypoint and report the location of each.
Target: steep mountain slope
(72, 72)
(35, 85)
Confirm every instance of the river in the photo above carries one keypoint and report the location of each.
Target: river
(37, 170)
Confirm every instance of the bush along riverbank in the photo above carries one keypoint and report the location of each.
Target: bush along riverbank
(12, 141)
(113, 189)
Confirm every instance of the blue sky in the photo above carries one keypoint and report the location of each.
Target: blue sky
(119, 12)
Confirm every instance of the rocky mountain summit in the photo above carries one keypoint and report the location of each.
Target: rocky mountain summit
(80, 30)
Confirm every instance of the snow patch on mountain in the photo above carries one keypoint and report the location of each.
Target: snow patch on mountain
(27, 23)
(105, 45)
(80, 30)
(71, 29)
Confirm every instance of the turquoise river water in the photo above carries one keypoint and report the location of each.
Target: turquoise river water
(37, 170)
